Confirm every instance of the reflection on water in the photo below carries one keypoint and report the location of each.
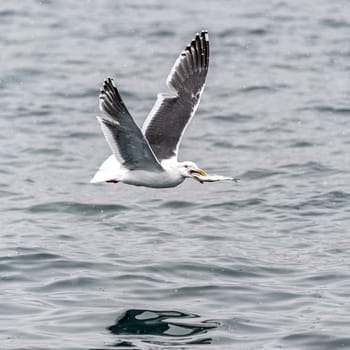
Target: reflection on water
(141, 325)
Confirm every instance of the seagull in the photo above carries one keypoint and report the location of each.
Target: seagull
(148, 156)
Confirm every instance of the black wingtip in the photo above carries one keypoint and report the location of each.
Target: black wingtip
(109, 90)
(110, 99)
(108, 84)
(205, 35)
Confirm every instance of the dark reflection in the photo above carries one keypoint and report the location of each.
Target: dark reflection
(160, 328)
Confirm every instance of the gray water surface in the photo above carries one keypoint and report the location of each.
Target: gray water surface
(261, 264)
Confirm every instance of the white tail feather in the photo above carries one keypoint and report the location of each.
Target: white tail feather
(109, 170)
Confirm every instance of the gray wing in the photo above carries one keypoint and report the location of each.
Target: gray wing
(121, 132)
(168, 119)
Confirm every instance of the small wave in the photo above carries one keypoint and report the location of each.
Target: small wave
(301, 144)
(309, 167)
(258, 31)
(238, 31)
(31, 256)
(260, 174)
(80, 93)
(316, 340)
(69, 283)
(330, 200)
(8, 13)
(8, 194)
(162, 33)
(255, 88)
(236, 203)
(232, 118)
(178, 204)
(75, 207)
(240, 269)
(335, 23)
(316, 205)
(83, 135)
(44, 150)
(328, 109)
(223, 144)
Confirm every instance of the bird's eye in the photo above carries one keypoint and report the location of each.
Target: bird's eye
(186, 166)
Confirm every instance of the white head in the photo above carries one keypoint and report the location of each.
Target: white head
(190, 169)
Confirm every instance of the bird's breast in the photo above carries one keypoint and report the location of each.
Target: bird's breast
(161, 179)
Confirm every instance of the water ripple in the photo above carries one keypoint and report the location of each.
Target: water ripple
(76, 207)
(263, 264)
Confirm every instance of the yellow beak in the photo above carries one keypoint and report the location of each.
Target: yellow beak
(199, 171)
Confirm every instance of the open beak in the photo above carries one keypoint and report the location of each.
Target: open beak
(200, 172)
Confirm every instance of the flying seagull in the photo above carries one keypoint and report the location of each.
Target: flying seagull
(148, 156)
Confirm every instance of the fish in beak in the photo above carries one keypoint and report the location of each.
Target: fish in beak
(200, 172)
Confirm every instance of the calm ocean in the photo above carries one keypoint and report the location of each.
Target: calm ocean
(261, 264)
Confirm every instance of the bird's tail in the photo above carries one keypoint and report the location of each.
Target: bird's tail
(109, 170)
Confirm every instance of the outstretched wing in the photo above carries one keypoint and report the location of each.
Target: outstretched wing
(121, 132)
(169, 117)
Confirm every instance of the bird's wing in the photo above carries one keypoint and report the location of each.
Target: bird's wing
(169, 117)
(121, 132)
